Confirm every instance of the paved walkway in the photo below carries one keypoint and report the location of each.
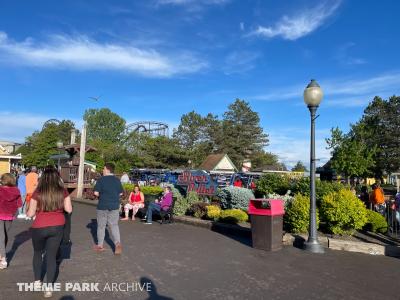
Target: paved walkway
(184, 262)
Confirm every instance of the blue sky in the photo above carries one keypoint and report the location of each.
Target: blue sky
(158, 59)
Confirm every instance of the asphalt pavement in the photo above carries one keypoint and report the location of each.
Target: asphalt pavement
(177, 261)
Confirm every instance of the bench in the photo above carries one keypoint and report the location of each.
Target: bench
(164, 214)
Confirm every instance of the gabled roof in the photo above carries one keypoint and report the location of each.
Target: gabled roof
(212, 161)
(74, 148)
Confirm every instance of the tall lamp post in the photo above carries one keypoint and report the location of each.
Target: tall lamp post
(312, 97)
(60, 146)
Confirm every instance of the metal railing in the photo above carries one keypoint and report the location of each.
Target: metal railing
(392, 216)
(69, 174)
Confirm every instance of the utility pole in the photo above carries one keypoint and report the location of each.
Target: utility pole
(81, 169)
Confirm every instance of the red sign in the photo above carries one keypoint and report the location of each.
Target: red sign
(197, 181)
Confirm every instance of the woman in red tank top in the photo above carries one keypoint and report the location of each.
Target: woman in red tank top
(136, 201)
(48, 203)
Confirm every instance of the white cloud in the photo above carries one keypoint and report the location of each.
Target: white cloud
(300, 24)
(81, 53)
(240, 61)
(345, 58)
(192, 6)
(346, 92)
(198, 2)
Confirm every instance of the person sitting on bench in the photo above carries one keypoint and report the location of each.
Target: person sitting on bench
(163, 204)
(136, 201)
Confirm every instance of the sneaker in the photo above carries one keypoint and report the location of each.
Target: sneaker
(48, 292)
(21, 216)
(98, 248)
(148, 223)
(28, 218)
(3, 264)
(37, 285)
(118, 249)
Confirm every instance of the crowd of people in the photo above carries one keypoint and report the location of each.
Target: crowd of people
(45, 200)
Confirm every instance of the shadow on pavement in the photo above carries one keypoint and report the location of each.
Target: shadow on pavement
(241, 236)
(93, 231)
(68, 297)
(19, 239)
(152, 291)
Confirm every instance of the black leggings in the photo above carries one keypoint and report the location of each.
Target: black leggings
(46, 239)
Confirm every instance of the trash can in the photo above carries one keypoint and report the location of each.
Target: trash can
(266, 216)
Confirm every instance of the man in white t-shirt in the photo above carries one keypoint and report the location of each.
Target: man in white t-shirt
(125, 178)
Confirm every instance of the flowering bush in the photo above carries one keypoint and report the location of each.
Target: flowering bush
(287, 199)
(213, 212)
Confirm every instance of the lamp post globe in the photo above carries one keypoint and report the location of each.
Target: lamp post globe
(313, 94)
(312, 97)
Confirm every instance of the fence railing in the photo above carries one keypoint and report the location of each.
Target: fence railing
(69, 174)
(392, 216)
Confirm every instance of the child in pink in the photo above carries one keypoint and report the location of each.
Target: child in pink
(10, 201)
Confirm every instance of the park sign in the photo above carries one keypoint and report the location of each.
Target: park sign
(198, 181)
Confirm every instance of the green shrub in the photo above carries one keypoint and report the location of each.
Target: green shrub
(343, 212)
(198, 210)
(322, 188)
(151, 190)
(180, 205)
(213, 212)
(235, 197)
(147, 190)
(272, 183)
(224, 196)
(376, 222)
(297, 214)
(128, 187)
(192, 197)
(233, 216)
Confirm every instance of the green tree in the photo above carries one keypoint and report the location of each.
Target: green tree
(378, 129)
(163, 152)
(350, 156)
(104, 125)
(42, 144)
(106, 132)
(261, 159)
(197, 135)
(242, 134)
(191, 130)
(299, 167)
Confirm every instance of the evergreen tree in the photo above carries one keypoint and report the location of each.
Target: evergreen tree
(241, 134)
